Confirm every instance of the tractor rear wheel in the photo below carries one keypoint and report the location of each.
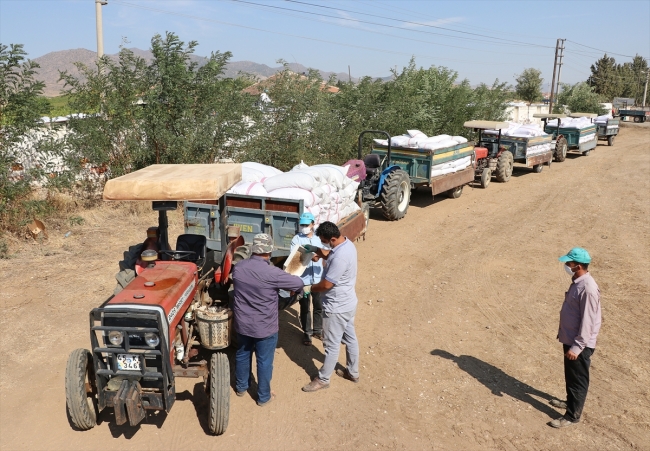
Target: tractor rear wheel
(504, 167)
(486, 177)
(80, 389)
(219, 387)
(127, 267)
(395, 195)
(560, 149)
(241, 253)
(610, 140)
(455, 193)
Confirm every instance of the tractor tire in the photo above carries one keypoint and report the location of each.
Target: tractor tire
(455, 193)
(241, 253)
(561, 148)
(610, 141)
(538, 168)
(395, 195)
(486, 177)
(504, 167)
(81, 404)
(219, 391)
(127, 267)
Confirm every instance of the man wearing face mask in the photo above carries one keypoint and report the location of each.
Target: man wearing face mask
(339, 306)
(311, 276)
(580, 320)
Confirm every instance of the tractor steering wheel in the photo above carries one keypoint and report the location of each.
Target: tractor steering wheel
(177, 255)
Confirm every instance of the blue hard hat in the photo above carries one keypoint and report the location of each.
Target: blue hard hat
(306, 218)
(578, 255)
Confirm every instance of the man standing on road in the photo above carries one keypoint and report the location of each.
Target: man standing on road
(311, 276)
(339, 305)
(580, 320)
(255, 308)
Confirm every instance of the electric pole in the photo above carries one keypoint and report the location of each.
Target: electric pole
(550, 97)
(559, 68)
(100, 31)
(645, 90)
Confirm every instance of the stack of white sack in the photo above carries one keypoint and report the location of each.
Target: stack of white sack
(540, 148)
(451, 166)
(325, 189)
(415, 139)
(586, 138)
(572, 122)
(604, 120)
(518, 130)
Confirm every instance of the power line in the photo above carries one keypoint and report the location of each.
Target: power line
(384, 25)
(162, 11)
(412, 23)
(604, 51)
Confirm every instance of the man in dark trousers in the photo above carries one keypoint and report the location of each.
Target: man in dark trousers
(580, 320)
(255, 309)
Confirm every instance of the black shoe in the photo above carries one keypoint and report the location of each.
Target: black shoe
(306, 340)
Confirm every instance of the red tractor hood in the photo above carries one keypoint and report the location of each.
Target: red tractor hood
(169, 285)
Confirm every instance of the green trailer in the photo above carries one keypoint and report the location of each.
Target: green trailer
(565, 139)
(607, 130)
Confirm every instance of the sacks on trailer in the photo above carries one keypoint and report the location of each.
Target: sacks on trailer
(310, 198)
(459, 139)
(336, 174)
(249, 189)
(268, 171)
(251, 175)
(291, 180)
(451, 166)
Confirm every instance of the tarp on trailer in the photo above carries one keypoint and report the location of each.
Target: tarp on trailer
(492, 125)
(175, 182)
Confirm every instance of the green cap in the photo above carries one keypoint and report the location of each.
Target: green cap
(578, 255)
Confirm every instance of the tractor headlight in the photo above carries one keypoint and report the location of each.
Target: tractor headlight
(151, 339)
(115, 337)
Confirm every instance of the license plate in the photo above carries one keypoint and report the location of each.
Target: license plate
(128, 362)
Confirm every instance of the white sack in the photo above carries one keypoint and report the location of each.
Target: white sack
(310, 199)
(290, 180)
(300, 166)
(249, 189)
(268, 171)
(459, 139)
(416, 134)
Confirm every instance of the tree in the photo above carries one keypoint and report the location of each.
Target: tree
(578, 98)
(529, 86)
(605, 78)
(633, 76)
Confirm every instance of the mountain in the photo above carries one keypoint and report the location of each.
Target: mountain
(65, 60)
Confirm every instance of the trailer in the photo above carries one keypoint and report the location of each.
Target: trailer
(566, 139)
(436, 169)
(636, 115)
(607, 130)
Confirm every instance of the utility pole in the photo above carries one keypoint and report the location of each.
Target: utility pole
(645, 90)
(349, 76)
(550, 97)
(559, 69)
(100, 31)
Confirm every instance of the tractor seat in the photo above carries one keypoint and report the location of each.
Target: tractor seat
(373, 164)
(194, 243)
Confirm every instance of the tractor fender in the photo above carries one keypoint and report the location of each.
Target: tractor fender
(384, 174)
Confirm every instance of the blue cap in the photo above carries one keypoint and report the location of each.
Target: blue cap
(306, 218)
(578, 255)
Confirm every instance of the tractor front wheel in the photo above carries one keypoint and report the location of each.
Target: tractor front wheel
(505, 164)
(561, 148)
(486, 177)
(395, 195)
(219, 388)
(80, 389)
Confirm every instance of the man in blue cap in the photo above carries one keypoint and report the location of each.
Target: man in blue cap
(311, 276)
(580, 320)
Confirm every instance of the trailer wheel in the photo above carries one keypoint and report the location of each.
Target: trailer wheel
(637, 119)
(504, 167)
(80, 389)
(455, 193)
(538, 168)
(586, 153)
(560, 149)
(610, 140)
(219, 387)
(395, 195)
(486, 177)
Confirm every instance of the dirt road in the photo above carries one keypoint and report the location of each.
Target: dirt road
(457, 321)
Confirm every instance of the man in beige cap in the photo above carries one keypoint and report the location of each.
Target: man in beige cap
(255, 307)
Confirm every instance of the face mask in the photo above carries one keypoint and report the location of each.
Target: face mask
(326, 247)
(568, 270)
(306, 230)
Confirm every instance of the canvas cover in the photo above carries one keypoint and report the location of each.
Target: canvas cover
(175, 182)
(494, 125)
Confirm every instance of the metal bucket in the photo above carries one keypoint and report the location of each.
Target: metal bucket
(214, 325)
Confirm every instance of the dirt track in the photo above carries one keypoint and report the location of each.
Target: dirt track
(457, 320)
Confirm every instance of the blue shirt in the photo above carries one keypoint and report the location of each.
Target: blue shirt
(255, 305)
(314, 271)
(341, 270)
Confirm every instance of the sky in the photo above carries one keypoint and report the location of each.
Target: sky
(482, 40)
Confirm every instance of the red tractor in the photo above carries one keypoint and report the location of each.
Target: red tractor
(169, 317)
